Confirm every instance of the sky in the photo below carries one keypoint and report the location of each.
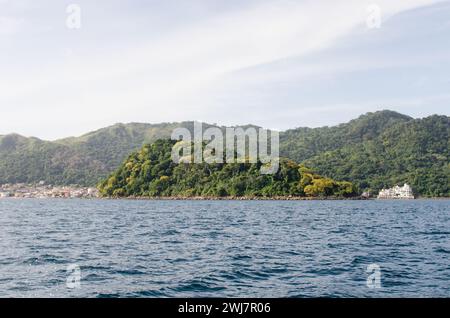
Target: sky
(69, 67)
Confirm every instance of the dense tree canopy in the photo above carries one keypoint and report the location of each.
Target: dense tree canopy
(416, 152)
(151, 172)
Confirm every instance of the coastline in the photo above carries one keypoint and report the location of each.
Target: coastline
(228, 198)
(201, 198)
(263, 199)
(231, 198)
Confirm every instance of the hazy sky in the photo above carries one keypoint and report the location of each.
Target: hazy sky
(278, 64)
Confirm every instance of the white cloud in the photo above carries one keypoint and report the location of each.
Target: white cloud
(169, 79)
(9, 25)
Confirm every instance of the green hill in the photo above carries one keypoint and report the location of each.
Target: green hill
(83, 160)
(151, 172)
(304, 143)
(375, 150)
(416, 152)
(28, 160)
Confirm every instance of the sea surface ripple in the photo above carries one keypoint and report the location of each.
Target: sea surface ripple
(224, 248)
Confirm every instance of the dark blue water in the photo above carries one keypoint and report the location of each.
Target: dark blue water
(224, 248)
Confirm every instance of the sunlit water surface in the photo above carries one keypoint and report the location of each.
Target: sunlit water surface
(224, 248)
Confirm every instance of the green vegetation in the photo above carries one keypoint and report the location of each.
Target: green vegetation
(373, 151)
(303, 143)
(151, 172)
(416, 152)
(85, 160)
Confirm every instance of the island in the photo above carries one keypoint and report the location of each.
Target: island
(151, 173)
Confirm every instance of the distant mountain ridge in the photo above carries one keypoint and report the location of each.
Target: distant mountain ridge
(363, 151)
(416, 151)
(83, 160)
(302, 143)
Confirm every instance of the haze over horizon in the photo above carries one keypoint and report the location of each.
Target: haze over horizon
(276, 64)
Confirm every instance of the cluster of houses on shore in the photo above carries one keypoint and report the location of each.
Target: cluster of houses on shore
(41, 190)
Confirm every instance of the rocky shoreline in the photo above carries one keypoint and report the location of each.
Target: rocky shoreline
(231, 198)
(277, 198)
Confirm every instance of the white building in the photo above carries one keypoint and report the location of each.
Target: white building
(397, 192)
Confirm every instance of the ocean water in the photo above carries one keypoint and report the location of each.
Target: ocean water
(224, 248)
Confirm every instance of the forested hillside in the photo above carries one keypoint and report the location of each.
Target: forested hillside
(416, 152)
(151, 172)
(373, 151)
